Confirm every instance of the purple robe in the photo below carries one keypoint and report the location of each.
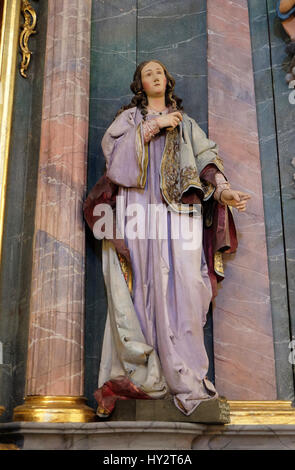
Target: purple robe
(171, 284)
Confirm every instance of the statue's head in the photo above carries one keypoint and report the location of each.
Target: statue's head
(142, 83)
(142, 87)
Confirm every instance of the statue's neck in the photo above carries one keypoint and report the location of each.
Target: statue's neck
(156, 103)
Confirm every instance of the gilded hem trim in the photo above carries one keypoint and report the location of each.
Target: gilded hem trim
(142, 158)
(208, 195)
(192, 184)
(102, 412)
(127, 272)
(170, 135)
(219, 163)
(208, 188)
(218, 264)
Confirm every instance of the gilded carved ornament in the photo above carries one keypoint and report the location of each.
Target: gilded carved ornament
(28, 29)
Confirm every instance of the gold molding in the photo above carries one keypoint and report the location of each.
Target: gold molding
(261, 412)
(65, 409)
(2, 409)
(54, 409)
(28, 29)
(8, 447)
(9, 46)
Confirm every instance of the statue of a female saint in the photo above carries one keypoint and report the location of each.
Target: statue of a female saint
(161, 167)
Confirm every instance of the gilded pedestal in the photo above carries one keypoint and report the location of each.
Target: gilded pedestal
(58, 409)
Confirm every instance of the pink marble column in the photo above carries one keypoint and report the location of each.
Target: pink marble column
(55, 355)
(243, 338)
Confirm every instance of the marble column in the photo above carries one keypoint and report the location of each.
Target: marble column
(55, 365)
(243, 336)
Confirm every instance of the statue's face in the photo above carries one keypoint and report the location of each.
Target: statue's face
(153, 79)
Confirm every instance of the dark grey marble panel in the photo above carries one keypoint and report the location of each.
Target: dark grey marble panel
(113, 61)
(16, 263)
(285, 118)
(266, 116)
(175, 33)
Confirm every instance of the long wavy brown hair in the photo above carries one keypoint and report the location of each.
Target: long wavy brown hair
(140, 98)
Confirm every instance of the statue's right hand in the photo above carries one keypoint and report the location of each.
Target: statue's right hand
(170, 120)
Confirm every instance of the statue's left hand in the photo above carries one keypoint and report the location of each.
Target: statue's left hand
(237, 199)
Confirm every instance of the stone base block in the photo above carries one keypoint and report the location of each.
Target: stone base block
(212, 411)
